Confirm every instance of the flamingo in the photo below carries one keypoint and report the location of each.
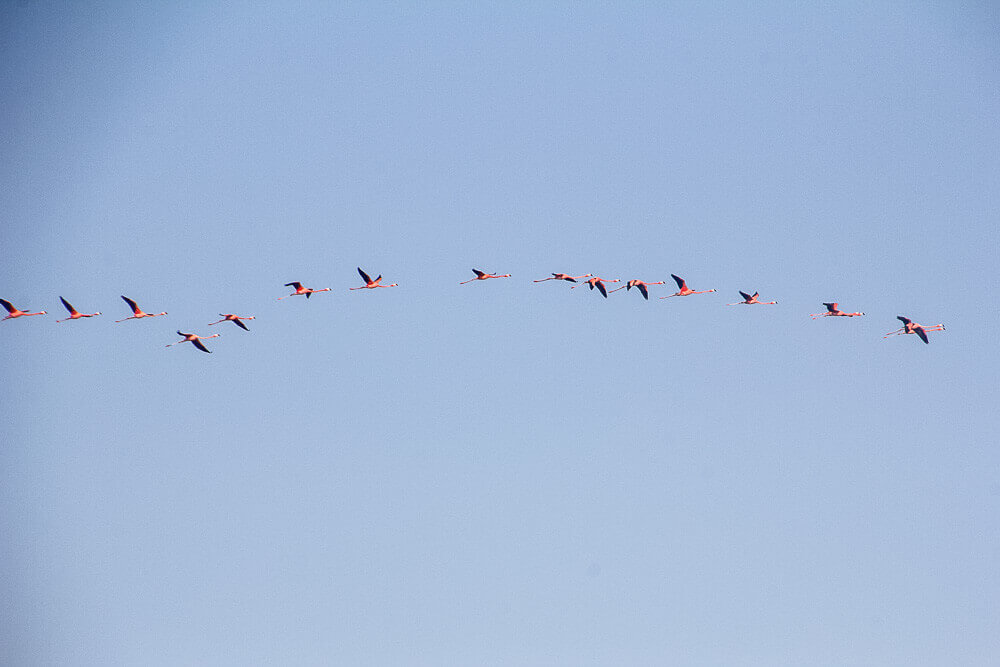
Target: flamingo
(299, 289)
(563, 276)
(14, 312)
(684, 290)
(482, 275)
(833, 311)
(138, 314)
(369, 283)
(235, 319)
(195, 339)
(750, 299)
(73, 314)
(911, 327)
(640, 285)
(598, 283)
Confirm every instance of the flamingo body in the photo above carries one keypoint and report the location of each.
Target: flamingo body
(598, 284)
(195, 340)
(73, 313)
(911, 327)
(832, 310)
(14, 312)
(563, 276)
(137, 312)
(482, 275)
(235, 319)
(750, 300)
(369, 283)
(300, 290)
(683, 289)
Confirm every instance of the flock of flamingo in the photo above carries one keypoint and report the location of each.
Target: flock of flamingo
(593, 282)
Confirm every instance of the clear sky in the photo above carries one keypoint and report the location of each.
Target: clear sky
(504, 472)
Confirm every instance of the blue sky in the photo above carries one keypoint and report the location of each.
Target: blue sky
(500, 472)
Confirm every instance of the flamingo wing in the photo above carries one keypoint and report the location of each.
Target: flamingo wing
(645, 292)
(8, 305)
(198, 344)
(602, 289)
(241, 325)
(364, 276)
(831, 307)
(904, 320)
(920, 332)
(569, 278)
(680, 281)
(66, 303)
(297, 286)
(131, 304)
(479, 273)
(746, 297)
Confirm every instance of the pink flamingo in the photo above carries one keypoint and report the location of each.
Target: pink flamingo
(73, 314)
(137, 312)
(750, 299)
(299, 289)
(640, 285)
(369, 283)
(482, 275)
(195, 340)
(911, 327)
(598, 283)
(833, 311)
(684, 290)
(563, 276)
(235, 319)
(14, 312)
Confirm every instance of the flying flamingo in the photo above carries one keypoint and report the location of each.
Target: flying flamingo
(299, 289)
(598, 283)
(911, 327)
(195, 340)
(482, 275)
(640, 285)
(73, 314)
(14, 312)
(684, 290)
(369, 283)
(832, 311)
(750, 299)
(235, 319)
(137, 311)
(563, 276)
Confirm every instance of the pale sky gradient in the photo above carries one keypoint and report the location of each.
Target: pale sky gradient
(500, 473)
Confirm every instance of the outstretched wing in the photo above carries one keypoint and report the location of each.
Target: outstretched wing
(297, 286)
(479, 273)
(569, 278)
(746, 297)
(241, 325)
(920, 332)
(66, 303)
(904, 320)
(131, 304)
(680, 281)
(8, 305)
(198, 344)
(364, 276)
(602, 289)
(832, 307)
(645, 292)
